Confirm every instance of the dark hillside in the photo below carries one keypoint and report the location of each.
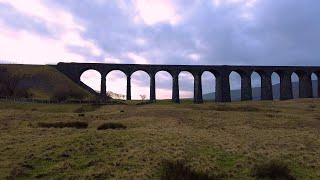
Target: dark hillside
(42, 81)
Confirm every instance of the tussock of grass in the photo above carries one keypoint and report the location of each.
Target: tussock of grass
(178, 170)
(20, 170)
(111, 126)
(144, 103)
(81, 115)
(240, 108)
(87, 108)
(273, 169)
(75, 124)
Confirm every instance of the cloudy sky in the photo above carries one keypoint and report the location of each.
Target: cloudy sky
(210, 32)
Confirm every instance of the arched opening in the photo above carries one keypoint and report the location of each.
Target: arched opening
(256, 86)
(140, 85)
(91, 78)
(186, 83)
(295, 85)
(235, 86)
(275, 79)
(208, 86)
(314, 79)
(116, 84)
(163, 85)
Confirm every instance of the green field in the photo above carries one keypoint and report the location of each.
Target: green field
(222, 140)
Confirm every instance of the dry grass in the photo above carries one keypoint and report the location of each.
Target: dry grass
(224, 143)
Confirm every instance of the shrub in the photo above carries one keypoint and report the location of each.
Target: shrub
(273, 169)
(9, 85)
(22, 93)
(75, 124)
(178, 170)
(111, 126)
(59, 95)
(62, 94)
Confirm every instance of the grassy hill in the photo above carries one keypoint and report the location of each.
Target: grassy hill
(239, 140)
(42, 80)
(256, 92)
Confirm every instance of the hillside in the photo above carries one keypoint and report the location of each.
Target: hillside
(236, 94)
(42, 80)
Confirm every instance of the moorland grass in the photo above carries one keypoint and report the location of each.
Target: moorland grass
(232, 144)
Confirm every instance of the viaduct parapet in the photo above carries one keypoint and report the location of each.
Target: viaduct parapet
(221, 73)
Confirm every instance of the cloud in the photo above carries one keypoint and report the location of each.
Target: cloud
(27, 45)
(137, 59)
(156, 11)
(194, 57)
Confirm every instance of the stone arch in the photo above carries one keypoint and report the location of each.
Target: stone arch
(275, 81)
(140, 81)
(235, 85)
(141, 70)
(256, 85)
(116, 84)
(208, 85)
(315, 82)
(163, 80)
(186, 85)
(295, 84)
(91, 78)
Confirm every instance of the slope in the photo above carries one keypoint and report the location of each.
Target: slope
(42, 80)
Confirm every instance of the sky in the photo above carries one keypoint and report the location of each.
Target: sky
(193, 32)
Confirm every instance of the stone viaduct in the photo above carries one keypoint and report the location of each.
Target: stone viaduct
(221, 73)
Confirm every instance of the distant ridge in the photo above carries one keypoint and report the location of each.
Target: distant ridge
(236, 94)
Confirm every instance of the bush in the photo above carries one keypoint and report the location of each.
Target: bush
(178, 170)
(22, 93)
(273, 169)
(75, 124)
(59, 95)
(9, 85)
(63, 94)
(111, 126)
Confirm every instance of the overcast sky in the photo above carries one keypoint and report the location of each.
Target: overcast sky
(210, 32)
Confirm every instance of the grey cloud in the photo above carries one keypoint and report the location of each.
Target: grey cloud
(16, 20)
